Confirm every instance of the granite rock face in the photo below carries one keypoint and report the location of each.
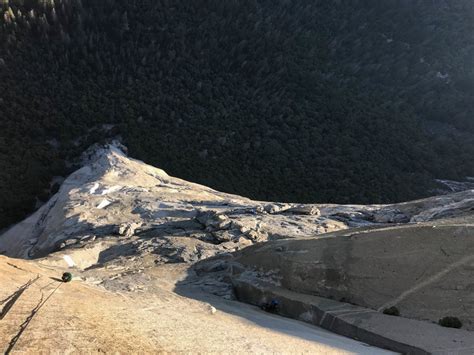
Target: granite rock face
(129, 228)
(426, 270)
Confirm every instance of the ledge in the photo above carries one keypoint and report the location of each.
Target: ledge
(399, 334)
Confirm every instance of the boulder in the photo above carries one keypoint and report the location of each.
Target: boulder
(128, 229)
(390, 216)
(274, 208)
(309, 210)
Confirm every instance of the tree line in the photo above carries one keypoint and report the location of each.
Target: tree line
(314, 101)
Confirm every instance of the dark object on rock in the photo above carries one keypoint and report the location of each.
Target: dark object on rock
(67, 242)
(67, 277)
(450, 322)
(391, 311)
(271, 307)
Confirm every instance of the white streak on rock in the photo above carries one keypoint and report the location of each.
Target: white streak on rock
(94, 188)
(104, 203)
(69, 261)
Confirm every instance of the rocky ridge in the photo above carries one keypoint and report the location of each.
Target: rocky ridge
(119, 200)
(118, 223)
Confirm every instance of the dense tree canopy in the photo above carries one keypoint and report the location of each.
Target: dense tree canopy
(310, 101)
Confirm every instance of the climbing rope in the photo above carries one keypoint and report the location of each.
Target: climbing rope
(35, 310)
(11, 300)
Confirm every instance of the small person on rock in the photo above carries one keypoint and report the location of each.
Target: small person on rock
(271, 307)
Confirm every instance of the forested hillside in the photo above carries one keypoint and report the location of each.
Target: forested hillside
(309, 101)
